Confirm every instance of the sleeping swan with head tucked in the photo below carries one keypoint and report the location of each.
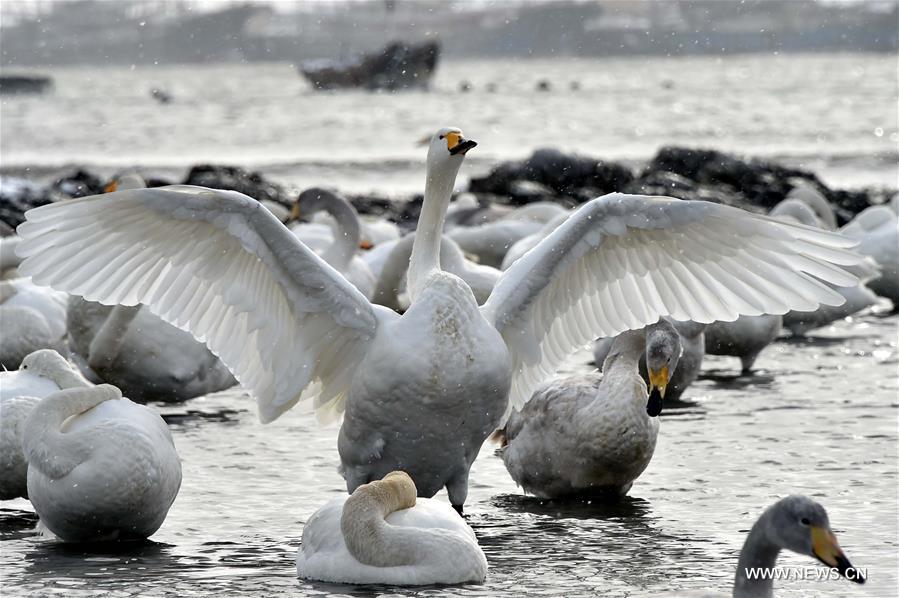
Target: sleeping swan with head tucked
(382, 534)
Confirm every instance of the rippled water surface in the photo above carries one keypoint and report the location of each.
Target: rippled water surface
(819, 418)
(834, 113)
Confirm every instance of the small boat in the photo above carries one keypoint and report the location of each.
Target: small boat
(10, 84)
(397, 66)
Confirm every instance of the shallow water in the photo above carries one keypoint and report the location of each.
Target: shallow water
(819, 418)
(832, 113)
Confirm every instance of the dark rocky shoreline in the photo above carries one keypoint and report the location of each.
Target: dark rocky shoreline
(547, 175)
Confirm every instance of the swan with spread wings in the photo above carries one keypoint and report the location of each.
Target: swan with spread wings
(422, 391)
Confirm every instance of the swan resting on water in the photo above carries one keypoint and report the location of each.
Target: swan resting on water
(41, 373)
(100, 467)
(382, 534)
(592, 435)
(421, 392)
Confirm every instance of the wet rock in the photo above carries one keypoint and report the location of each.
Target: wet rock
(238, 179)
(662, 182)
(564, 174)
(17, 196)
(747, 183)
(525, 192)
(80, 183)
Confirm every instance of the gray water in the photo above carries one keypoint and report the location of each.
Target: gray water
(819, 418)
(832, 113)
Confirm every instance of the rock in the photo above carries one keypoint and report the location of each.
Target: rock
(563, 173)
(525, 192)
(662, 182)
(81, 183)
(17, 196)
(237, 179)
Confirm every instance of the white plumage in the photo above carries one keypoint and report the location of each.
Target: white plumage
(383, 534)
(289, 326)
(33, 318)
(99, 466)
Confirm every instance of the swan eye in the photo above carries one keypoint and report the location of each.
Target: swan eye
(441, 136)
(805, 521)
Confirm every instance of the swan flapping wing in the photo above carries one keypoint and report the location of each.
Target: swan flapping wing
(622, 261)
(219, 265)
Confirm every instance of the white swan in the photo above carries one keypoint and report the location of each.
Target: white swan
(810, 196)
(525, 244)
(342, 251)
(33, 317)
(99, 466)
(692, 340)
(146, 358)
(857, 297)
(877, 231)
(593, 435)
(491, 241)
(41, 374)
(391, 280)
(421, 391)
(382, 534)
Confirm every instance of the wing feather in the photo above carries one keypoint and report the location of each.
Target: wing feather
(623, 261)
(216, 264)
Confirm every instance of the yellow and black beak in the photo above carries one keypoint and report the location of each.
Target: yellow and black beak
(658, 381)
(828, 551)
(295, 212)
(112, 186)
(456, 144)
(365, 244)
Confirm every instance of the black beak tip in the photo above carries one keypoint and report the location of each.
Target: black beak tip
(845, 568)
(654, 404)
(463, 146)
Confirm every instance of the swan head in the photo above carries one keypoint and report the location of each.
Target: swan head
(795, 209)
(663, 350)
(448, 146)
(800, 524)
(49, 364)
(132, 180)
(313, 200)
(45, 362)
(399, 485)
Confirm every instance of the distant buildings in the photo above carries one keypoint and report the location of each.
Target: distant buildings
(44, 33)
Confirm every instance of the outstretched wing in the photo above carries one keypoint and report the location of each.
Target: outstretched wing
(219, 265)
(622, 261)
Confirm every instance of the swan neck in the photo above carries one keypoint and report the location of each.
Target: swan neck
(108, 341)
(426, 248)
(626, 351)
(395, 266)
(368, 537)
(758, 553)
(46, 447)
(347, 235)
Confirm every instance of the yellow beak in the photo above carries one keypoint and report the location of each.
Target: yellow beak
(659, 379)
(111, 187)
(828, 551)
(295, 211)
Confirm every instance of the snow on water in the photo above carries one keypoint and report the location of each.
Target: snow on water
(834, 113)
(819, 418)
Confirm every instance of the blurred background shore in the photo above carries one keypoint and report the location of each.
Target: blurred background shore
(812, 84)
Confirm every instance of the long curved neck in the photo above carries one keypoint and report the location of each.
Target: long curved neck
(46, 446)
(107, 343)
(396, 264)
(626, 351)
(758, 554)
(370, 539)
(426, 248)
(347, 235)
